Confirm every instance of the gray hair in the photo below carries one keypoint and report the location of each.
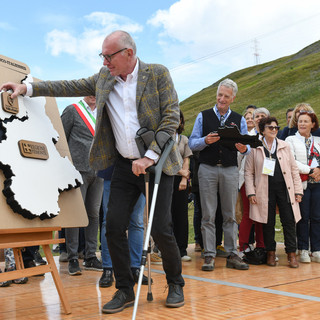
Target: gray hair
(261, 110)
(229, 84)
(125, 39)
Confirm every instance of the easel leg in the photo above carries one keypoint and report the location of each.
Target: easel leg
(56, 278)
(18, 258)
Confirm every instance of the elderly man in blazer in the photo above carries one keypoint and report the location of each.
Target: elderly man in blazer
(129, 94)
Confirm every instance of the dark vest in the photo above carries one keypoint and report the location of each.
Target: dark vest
(215, 153)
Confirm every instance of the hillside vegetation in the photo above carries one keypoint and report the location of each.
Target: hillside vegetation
(275, 85)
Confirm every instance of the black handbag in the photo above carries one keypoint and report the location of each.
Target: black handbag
(256, 256)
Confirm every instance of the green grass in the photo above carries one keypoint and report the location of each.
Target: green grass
(276, 85)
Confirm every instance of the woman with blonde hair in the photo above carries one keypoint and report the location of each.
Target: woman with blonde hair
(293, 124)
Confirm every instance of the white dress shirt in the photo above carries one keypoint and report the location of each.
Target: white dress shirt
(122, 111)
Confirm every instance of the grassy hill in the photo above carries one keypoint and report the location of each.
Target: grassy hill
(275, 85)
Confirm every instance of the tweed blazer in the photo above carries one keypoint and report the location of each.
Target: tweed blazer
(79, 138)
(156, 103)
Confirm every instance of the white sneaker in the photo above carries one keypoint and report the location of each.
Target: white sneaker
(304, 256)
(185, 258)
(315, 256)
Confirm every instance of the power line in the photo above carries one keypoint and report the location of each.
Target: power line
(236, 46)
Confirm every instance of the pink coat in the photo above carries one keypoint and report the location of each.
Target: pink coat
(257, 183)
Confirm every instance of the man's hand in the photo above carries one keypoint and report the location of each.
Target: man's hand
(183, 184)
(211, 138)
(316, 174)
(241, 147)
(139, 166)
(17, 89)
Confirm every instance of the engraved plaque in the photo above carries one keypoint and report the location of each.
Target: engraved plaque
(8, 104)
(32, 149)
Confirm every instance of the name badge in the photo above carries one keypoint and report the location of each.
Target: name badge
(268, 166)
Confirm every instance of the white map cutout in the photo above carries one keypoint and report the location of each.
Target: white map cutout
(32, 186)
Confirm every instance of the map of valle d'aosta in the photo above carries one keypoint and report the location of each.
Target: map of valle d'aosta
(35, 173)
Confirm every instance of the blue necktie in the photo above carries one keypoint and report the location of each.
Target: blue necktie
(222, 121)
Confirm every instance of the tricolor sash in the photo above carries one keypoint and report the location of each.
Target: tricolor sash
(86, 116)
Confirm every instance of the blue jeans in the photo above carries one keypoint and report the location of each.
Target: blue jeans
(308, 228)
(135, 230)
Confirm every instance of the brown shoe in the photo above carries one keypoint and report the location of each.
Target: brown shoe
(234, 261)
(271, 258)
(197, 247)
(292, 259)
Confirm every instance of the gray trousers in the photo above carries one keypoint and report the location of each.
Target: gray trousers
(91, 190)
(214, 179)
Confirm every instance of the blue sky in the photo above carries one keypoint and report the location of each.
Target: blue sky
(199, 41)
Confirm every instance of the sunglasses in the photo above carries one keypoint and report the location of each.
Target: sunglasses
(273, 127)
(306, 112)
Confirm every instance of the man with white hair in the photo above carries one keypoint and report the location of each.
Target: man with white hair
(218, 172)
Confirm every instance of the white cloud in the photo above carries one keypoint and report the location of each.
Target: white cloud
(218, 36)
(208, 26)
(86, 45)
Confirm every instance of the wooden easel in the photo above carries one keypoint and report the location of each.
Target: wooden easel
(26, 237)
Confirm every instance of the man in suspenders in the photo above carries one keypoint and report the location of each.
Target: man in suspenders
(79, 124)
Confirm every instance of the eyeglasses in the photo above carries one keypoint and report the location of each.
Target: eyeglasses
(108, 57)
(273, 128)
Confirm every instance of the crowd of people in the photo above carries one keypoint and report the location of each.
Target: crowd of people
(281, 174)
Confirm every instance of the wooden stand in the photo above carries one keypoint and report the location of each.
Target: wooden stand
(27, 237)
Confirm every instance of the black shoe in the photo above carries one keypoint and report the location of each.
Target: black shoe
(136, 273)
(175, 297)
(56, 249)
(74, 268)
(120, 300)
(106, 279)
(32, 264)
(93, 264)
(38, 259)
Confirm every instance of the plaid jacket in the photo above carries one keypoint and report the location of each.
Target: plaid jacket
(156, 102)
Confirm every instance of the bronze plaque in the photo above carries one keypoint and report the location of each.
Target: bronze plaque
(32, 149)
(8, 104)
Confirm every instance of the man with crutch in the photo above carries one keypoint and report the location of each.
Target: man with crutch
(129, 95)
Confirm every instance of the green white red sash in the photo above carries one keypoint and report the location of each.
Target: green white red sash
(86, 116)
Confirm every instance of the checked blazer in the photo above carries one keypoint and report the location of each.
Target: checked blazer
(156, 103)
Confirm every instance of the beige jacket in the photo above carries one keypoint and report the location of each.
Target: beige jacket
(257, 183)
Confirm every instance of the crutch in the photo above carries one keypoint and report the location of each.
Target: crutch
(144, 137)
(165, 142)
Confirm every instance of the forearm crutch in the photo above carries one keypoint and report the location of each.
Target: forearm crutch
(165, 142)
(146, 179)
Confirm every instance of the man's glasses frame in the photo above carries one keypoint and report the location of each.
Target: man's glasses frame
(108, 57)
(273, 127)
